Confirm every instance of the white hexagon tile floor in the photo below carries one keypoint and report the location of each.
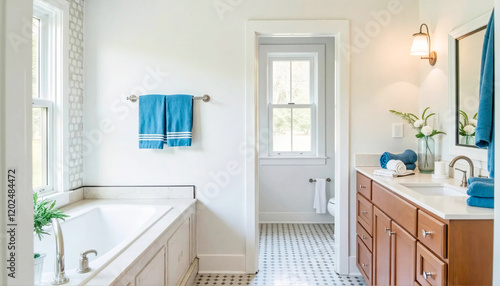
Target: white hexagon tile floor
(290, 254)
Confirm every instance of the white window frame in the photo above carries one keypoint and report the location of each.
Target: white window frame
(317, 54)
(53, 81)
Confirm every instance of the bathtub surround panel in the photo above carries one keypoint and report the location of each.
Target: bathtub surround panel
(139, 192)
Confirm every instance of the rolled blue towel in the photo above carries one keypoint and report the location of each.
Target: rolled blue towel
(478, 179)
(408, 157)
(411, 166)
(480, 202)
(481, 189)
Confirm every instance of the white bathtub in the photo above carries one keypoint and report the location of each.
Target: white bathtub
(107, 228)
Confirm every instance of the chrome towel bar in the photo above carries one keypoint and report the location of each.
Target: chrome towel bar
(205, 98)
(313, 180)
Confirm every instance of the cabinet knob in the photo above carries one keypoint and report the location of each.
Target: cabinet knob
(391, 233)
(363, 237)
(426, 233)
(426, 275)
(364, 212)
(387, 229)
(364, 265)
(362, 186)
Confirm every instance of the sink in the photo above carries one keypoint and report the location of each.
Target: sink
(436, 189)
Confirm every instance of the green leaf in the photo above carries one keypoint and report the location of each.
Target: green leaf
(423, 114)
(428, 117)
(420, 135)
(43, 212)
(475, 116)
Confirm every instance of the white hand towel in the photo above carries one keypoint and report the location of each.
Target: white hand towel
(320, 196)
(397, 166)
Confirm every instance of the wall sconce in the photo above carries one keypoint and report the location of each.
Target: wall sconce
(422, 46)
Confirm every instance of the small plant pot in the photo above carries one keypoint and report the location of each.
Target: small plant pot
(39, 268)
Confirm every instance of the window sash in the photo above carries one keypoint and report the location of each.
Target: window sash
(274, 57)
(312, 109)
(49, 148)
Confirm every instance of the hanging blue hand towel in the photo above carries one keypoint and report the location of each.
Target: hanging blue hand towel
(407, 157)
(481, 202)
(481, 189)
(485, 135)
(151, 121)
(179, 119)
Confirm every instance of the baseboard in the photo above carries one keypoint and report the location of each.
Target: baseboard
(353, 269)
(190, 276)
(294, 217)
(215, 263)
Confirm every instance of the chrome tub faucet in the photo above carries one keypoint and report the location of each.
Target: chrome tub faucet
(59, 275)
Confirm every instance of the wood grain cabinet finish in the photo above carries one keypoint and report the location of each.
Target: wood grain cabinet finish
(364, 213)
(364, 235)
(364, 186)
(364, 260)
(430, 269)
(411, 246)
(432, 233)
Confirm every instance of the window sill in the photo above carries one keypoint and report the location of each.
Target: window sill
(292, 160)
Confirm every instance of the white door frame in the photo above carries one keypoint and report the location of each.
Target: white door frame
(339, 29)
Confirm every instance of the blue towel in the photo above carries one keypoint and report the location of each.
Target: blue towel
(485, 118)
(479, 179)
(480, 202)
(408, 157)
(179, 119)
(411, 166)
(481, 189)
(151, 121)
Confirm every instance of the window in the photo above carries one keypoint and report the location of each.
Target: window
(292, 91)
(47, 41)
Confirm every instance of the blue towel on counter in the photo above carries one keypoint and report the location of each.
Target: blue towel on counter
(480, 202)
(411, 166)
(485, 117)
(407, 157)
(151, 121)
(179, 119)
(481, 189)
(479, 179)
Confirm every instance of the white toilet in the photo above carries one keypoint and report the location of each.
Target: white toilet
(331, 206)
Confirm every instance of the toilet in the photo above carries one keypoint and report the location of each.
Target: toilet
(331, 206)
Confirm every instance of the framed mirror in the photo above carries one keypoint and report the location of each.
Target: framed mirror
(465, 46)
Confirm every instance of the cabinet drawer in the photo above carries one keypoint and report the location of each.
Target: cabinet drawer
(365, 236)
(364, 211)
(432, 233)
(401, 211)
(364, 260)
(430, 269)
(364, 186)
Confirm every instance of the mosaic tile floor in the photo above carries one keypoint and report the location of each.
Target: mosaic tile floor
(290, 254)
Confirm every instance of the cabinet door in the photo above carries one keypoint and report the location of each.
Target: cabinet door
(403, 247)
(154, 272)
(381, 248)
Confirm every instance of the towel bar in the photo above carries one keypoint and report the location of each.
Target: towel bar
(313, 180)
(205, 98)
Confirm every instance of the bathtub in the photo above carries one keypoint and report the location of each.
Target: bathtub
(106, 227)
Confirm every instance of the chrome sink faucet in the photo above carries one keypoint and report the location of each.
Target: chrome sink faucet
(471, 167)
(59, 275)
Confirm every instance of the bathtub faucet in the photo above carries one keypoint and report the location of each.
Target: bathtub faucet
(59, 275)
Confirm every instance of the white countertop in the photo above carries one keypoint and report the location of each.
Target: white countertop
(446, 207)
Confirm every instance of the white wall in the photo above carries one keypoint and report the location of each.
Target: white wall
(442, 17)
(15, 91)
(144, 47)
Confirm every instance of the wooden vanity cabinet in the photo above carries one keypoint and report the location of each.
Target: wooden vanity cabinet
(411, 246)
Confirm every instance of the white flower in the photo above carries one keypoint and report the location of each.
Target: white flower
(469, 129)
(426, 130)
(418, 123)
(473, 122)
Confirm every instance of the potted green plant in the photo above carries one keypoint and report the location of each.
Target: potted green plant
(43, 211)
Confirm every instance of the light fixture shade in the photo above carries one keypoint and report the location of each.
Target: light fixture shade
(420, 46)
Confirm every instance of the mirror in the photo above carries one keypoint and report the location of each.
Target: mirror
(465, 46)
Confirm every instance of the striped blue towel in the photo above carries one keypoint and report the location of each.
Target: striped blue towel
(179, 117)
(151, 121)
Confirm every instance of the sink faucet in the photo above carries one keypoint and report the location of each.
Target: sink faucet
(471, 167)
(59, 275)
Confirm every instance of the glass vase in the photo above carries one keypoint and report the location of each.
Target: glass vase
(39, 268)
(426, 152)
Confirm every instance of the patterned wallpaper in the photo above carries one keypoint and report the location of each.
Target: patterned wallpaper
(76, 85)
